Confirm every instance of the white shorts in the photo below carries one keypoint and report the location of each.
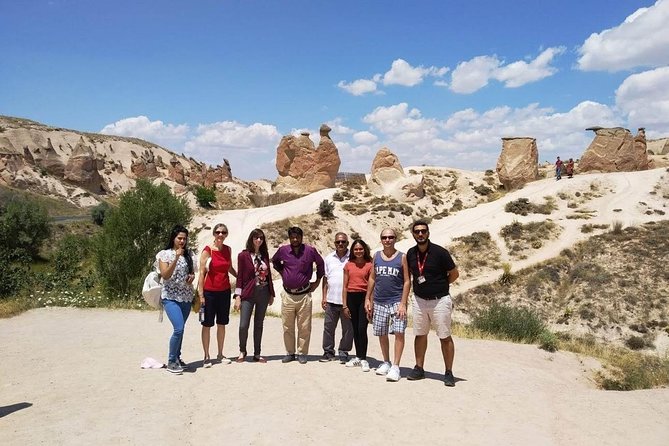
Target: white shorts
(435, 312)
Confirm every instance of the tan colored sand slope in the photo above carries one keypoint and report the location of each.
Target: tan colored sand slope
(79, 372)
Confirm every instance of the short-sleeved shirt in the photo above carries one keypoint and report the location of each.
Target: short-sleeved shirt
(437, 263)
(296, 269)
(334, 272)
(217, 278)
(176, 288)
(389, 278)
(358, 276)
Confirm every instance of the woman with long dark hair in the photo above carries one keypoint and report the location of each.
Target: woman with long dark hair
(176, 269)
(356, 278)
(254, 290)
(214, 290)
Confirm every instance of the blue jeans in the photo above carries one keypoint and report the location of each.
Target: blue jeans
(177, 312)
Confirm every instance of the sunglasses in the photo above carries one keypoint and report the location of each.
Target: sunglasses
(258, 237)
(341, 242)
(387, 237)
(221, 232)
(420, 231)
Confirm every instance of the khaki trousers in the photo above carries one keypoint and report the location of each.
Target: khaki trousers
(296, 308)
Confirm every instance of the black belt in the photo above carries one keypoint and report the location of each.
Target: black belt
(297, 291)
(432, 297)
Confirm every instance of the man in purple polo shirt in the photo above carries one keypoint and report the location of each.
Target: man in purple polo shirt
(295, 264)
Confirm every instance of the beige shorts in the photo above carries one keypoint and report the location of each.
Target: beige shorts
(436, 312)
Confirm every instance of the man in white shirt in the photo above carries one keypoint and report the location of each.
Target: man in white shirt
(332, 302)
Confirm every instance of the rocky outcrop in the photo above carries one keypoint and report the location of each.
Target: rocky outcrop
(615, 150)
(47, 159)
(518, 164)
(11, 162)
(388, 178)
(144, 166)
(304, 168)
(175, 171)
(658, 146)
(82, 169)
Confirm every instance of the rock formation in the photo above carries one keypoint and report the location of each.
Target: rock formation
(388, 178)
(11, 162)
(302, 167)
(82, 169)
(517, 165)
(47, 159)
(658, 146)
(144, 166)
(175, 171)
(615, 150)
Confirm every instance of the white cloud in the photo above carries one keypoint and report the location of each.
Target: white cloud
(402, 73)
(641, 40)
(359, 87)
(474, 74)
(397, 119)
(365, 137)
(644, 98)
(157, 132)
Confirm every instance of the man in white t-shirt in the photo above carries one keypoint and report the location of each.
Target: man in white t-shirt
(332, 302)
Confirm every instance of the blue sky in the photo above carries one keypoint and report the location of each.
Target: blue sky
(437, 82)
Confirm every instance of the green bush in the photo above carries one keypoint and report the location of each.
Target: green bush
(134, 232)
(15, 271)
(515, 324)
(24, 226)
(205, 196)
(99, 212)
(326, 209)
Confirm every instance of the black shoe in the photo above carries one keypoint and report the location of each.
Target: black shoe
(449, 379)
(288, 358)
(343, 357)
(416, 374)
(183, 364)
(302, 359)
(327, 357)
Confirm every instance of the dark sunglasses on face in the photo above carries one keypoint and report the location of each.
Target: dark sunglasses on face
(420, 231)
(341, 242)
(258, 237)
(387, 237)
(221, 232)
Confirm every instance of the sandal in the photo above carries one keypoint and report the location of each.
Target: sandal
(223, 360)
(260, 359)
(206, 362)
(241, 357)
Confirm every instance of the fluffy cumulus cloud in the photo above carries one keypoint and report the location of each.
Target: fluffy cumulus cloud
(168, 135)
(641, 40)
(250, 149)
(470, 139)
(474, 74)
(401, 72)
(644, 98)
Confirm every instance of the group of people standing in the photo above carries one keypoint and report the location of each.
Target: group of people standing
(560, 166)
(357, 288)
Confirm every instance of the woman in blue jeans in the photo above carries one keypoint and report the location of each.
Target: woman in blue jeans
(176, 269)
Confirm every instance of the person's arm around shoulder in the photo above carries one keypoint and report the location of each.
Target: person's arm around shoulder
(402, 312)
(203, 273)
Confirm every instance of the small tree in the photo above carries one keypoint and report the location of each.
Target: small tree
(326, 209)
(99, 212)
(24, 225)
(205, 196)
(134, 232)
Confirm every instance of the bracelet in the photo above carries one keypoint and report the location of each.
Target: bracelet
(344, 308)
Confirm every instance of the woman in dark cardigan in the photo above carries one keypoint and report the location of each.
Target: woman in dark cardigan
(254, 289)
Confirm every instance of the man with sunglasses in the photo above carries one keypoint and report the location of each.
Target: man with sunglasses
(295, 263)
(433, 270)
(333, 282)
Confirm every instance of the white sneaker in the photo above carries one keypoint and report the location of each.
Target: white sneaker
(383, 368)
(393, 374)
(353, 362)
(364, 365)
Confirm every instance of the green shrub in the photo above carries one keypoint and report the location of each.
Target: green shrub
(326, 209)
(24, 226)
(15, 271)
(99, 212)
(515, 324)
(548, 341)
(205, 196)
(134, 232)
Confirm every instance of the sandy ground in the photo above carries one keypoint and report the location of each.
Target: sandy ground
(71, 376)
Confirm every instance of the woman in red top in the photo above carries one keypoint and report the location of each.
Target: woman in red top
(356, 277)
(214, 289)
(254, 289)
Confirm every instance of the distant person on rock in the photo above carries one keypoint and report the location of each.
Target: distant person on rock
(433, 270)
(295, 263)
(558, 169)
(386, 302)
(332, 303)
(570, 168)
